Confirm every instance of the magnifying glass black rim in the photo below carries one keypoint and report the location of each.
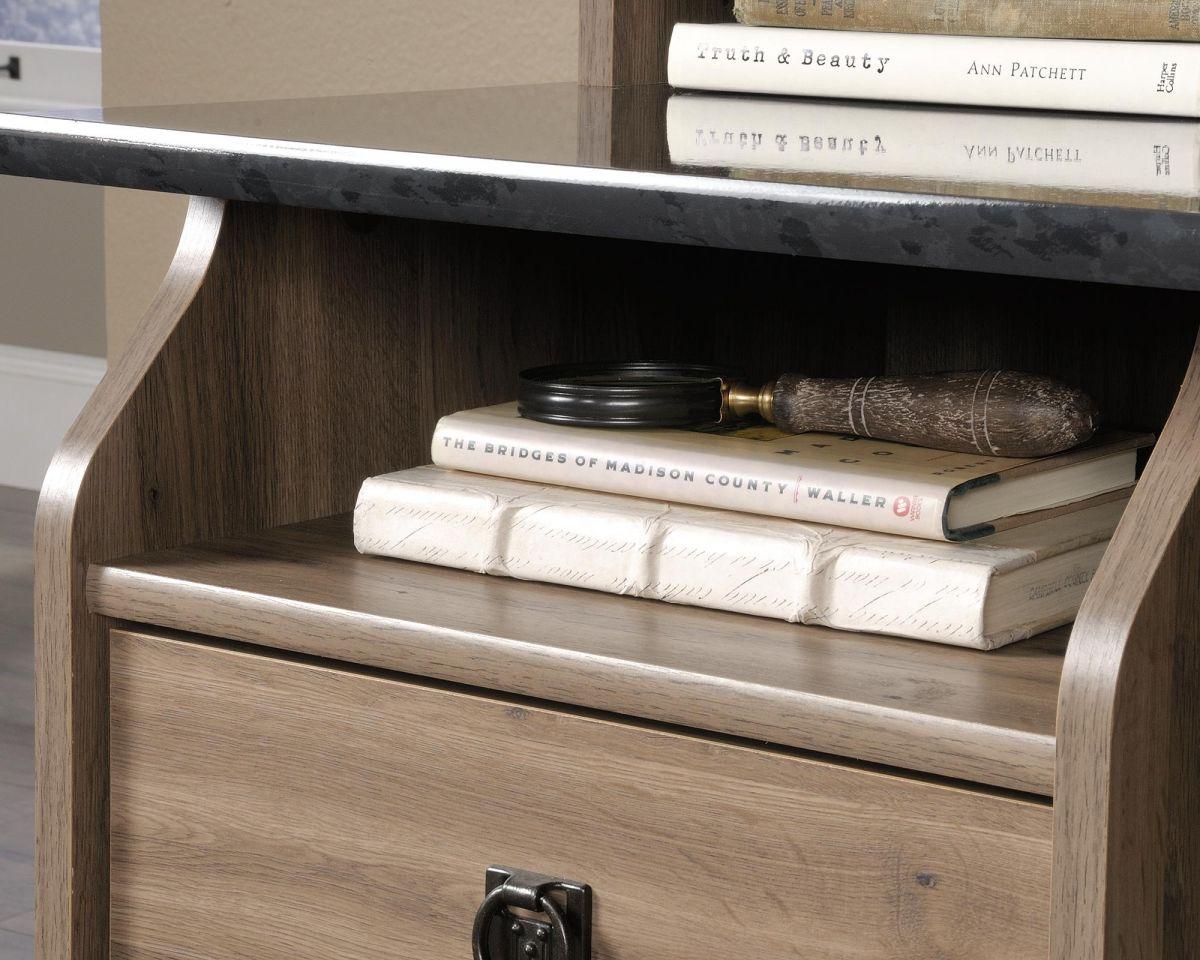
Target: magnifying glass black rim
(630, 394)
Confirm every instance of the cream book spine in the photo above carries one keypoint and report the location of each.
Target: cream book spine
(1085, 75)
(982, 594)
(886, 492)
(1096, 155)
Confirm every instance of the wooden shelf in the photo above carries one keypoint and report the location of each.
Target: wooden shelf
(983, 717)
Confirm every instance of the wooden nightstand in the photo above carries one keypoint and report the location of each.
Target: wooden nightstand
(254, 742)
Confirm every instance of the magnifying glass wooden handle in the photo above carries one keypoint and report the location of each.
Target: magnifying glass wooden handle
(998, 413)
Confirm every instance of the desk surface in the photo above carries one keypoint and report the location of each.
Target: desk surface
(1097, 198)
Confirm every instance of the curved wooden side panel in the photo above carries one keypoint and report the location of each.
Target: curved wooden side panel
(1127, 796)
(83, 513)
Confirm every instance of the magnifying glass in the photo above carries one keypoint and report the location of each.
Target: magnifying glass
(996, 413)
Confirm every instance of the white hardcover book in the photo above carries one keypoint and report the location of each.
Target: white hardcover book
(818, 477)
(1100, 155)
(1113, 76)
(982, 594)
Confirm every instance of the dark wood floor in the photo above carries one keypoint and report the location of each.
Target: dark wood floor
(16, 724)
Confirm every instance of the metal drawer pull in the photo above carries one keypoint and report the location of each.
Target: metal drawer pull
(501, 934)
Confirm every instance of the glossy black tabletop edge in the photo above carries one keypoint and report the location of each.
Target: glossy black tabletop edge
(1144, 247)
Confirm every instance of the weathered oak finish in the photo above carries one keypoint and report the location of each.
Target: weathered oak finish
(625, 42)
(94, 501)
(1127, 815)
(913, 705)
(312, 812)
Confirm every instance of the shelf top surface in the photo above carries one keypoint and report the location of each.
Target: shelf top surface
(964, 714)
(1084, 197)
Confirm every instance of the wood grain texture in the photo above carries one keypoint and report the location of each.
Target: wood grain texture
(999, 413)
(357, 819)
(1083, 334)
(76, 523)
(1127, 828)
(958, 713)
(625, 41)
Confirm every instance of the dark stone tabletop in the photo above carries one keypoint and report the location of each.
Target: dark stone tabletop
(605, 162)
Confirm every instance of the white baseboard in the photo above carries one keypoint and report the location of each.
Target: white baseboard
(41, 394)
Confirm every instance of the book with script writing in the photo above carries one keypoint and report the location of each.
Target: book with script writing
(982, 594)
(818, 477)
(1095, 19)
(1089, 75)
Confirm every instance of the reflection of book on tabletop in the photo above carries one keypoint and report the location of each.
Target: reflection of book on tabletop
(1092, 155)
(981, 594)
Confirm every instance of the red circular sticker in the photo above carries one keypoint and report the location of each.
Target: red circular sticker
(901, 506)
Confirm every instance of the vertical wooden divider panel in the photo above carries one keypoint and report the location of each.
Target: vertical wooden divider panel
(625, 41)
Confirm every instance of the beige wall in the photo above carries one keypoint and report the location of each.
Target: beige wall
(51, 266)
(180, 51)
(51, 234)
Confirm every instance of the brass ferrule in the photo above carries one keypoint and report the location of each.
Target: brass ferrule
(742, 400)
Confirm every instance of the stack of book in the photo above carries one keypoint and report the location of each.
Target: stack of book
(1088, 57)
(812, 528)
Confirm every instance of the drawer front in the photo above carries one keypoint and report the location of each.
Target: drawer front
(281, 810)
